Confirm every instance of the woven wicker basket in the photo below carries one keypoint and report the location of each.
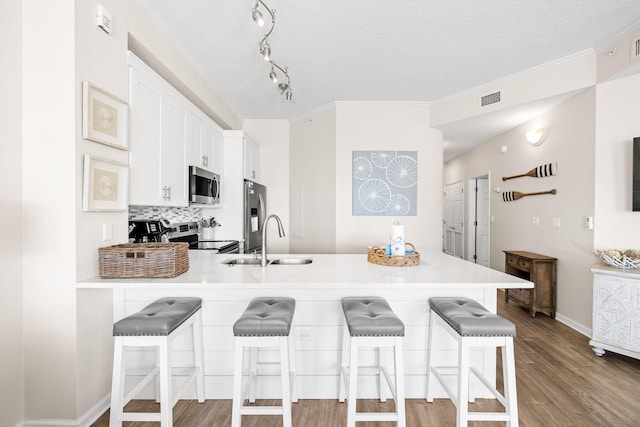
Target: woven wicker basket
(144, 260)
(377, 255)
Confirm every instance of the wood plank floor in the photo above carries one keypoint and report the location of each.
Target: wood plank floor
(560, 383)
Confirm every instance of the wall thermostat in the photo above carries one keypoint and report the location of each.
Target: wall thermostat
(104, 19)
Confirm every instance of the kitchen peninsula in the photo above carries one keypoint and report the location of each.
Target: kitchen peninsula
(317, 288)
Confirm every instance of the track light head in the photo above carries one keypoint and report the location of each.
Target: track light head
(273, 76)
(257, 16)
(265, 51)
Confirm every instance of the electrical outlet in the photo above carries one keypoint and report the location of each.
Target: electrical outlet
(303, 336)
(424, 310)
(557, 222)
(535, 221)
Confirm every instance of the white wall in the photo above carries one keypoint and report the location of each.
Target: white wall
(570, 143)
(273, 138)
(67, 334)
(312, 177)
(617, 123)
(321, 175)
(12, 349)
(387, 126)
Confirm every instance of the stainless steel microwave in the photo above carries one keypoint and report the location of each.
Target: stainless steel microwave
(205, 187)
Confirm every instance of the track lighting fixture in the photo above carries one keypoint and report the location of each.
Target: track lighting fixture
(257, 16)
(265, 49)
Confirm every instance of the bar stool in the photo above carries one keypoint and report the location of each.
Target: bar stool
(472, 325)
(265, 323)
(156, 325)
(370, 322)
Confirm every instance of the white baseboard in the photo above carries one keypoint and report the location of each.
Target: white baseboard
(85, 420)
(574, 325)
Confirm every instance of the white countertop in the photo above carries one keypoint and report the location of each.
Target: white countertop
(327, 270)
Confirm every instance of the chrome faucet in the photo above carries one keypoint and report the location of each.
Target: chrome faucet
(263, 260)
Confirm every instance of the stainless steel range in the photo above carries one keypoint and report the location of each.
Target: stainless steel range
(188, 232)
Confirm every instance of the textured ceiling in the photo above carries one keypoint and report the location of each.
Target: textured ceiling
(381, 50)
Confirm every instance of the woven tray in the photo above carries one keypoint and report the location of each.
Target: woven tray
(377, 255)
(140, 260)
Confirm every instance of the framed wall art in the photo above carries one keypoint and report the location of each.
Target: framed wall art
(385, 183)
(104, 117)
(104, 186)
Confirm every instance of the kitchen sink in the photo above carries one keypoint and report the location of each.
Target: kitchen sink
(242, 261)
(291, 261)
(279, 261)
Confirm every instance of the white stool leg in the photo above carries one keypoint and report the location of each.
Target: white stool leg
(292, 369)
(352, 398)
(286, 384)
(238, 398)
(509, 375)
(166, 407)
(430, 351)
(254, 353)
(156, 350)
(198, 348)
(381, 379)
(399, 373)
(117, 384)
(345, 359)
(462, 413)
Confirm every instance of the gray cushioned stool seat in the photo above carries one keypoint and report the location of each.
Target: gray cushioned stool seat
(266, 317)
(470, 319)
(161, 317)
(372, 317)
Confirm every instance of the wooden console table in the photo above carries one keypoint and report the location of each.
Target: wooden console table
(539, 269)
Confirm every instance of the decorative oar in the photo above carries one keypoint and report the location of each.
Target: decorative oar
(541, 171)
(510, 196)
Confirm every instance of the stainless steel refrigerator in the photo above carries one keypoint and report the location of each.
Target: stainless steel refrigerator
(255, 211)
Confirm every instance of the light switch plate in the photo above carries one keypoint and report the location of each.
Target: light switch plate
(107, 232)
(535, 221)
(557, 222)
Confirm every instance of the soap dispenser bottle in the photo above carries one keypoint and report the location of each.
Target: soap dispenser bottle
(397, 239)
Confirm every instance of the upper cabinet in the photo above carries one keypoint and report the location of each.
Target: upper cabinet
(168, 133)
(251, 160)
(204, 142)
(158, 141)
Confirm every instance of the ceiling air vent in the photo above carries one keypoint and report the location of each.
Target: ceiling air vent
(635, 49)
(492, 98)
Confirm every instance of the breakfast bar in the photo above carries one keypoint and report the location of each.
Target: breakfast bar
(317, 287)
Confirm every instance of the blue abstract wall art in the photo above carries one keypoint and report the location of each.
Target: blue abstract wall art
(385, 183)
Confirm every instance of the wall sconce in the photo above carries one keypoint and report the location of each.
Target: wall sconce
(536, 136)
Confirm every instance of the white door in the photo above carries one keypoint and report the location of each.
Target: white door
(479, 214)
(453, 223)
(482, 222)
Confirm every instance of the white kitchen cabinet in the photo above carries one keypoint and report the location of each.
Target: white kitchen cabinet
(616, 311)
(251, 160)
(158, 140)
(198, 155)
(204, 141)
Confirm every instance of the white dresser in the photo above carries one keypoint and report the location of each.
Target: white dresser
(616, 310)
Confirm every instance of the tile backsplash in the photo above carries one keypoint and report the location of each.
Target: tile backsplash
(172, 214)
